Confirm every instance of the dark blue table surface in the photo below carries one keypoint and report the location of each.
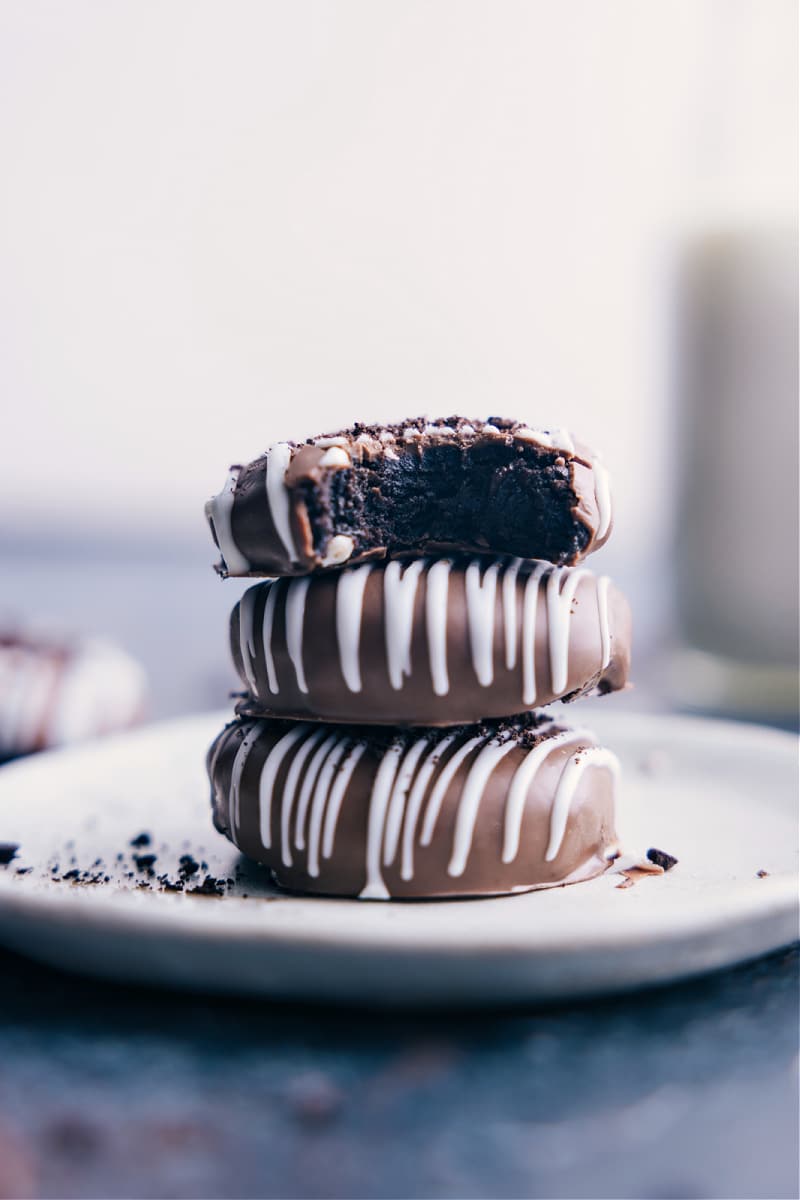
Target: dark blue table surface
(110, 1091)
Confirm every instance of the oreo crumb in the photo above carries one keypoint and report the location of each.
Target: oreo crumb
(141, 839)
(8, 850)
(209, 887)
(762, 874)
(661, 859)
(187, 866)
(24, 870)
(144, 862)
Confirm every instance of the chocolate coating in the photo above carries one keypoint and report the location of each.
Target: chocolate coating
(371, 492)
(379, 814)
(361, 644)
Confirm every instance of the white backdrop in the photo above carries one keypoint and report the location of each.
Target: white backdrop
(225, 223)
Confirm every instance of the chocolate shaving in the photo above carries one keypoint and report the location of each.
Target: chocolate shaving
(661, 859)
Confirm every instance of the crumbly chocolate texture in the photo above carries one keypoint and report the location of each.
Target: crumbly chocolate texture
(374, 491)
(375, 813)
(662, 859)
(547, 634)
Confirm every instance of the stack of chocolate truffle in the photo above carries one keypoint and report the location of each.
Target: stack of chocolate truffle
(423, 604)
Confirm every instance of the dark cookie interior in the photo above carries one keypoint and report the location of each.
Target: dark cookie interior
(482, 492)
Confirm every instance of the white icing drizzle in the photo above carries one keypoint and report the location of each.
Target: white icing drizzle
(278, 458)
(31, 687)
(269, 773)
(530, 605)
(247, 647)
(314, 768)
(375, 888)
(321, 790)
(349, 610)
(523, 778)
(290, 788)
(602, 611)
(400, 585)
(602, 493)
(561, 439)
(399, 593)
(325, 443)
(397, 800)
(325, 761)
(561, 588)
(337, 795)
(590, 756)
(266, 633)
(442, 784)
(436, 623)
(295, 610)
(237, 770)
(553, 439)
(219, 511)
(336, 458)
(481, 593)
(510, 611)
(415, 803)
(471, 795)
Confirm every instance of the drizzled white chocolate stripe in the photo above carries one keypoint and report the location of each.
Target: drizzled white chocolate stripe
(602, 495)
(403, 808)
(278, 458)
(556, 586)
(53, 695)
(219, 511)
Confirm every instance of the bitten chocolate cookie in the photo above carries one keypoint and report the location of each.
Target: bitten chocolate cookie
(429, 641)
(424, 486)
(356, 811)
(56, 691)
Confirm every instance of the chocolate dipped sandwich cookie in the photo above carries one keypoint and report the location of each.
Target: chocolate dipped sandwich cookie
(429, 641)
(57, 690)
(363, 812)
(375, 491)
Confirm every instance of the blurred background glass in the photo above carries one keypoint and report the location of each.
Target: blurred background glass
(224, 224)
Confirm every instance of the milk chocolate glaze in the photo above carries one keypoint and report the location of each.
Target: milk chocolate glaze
(377, 814)
(432, 641)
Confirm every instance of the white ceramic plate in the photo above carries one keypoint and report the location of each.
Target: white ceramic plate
(720, 797)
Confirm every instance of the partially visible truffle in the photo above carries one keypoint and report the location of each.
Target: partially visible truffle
(57, 691)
